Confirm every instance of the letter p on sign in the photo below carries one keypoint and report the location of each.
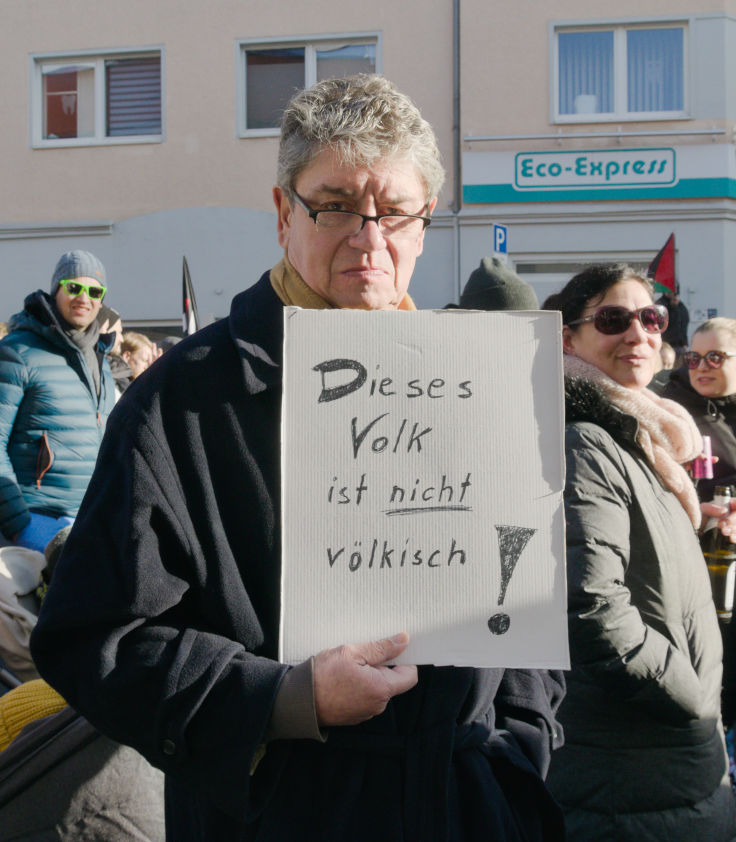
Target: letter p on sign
(500, 241)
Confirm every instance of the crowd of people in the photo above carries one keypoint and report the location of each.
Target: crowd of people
(160, 523)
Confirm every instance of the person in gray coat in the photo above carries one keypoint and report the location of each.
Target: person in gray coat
(644, 756)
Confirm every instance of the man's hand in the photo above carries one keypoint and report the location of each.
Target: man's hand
(352, 683)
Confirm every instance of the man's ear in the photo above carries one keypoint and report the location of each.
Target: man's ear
(283, 212)
(420, 242)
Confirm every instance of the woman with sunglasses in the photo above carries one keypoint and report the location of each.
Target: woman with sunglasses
(706, 386)
(644, 754)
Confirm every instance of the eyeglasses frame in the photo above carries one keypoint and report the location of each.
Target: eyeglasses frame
(635, 314)
(85, 289)
(701, 357)
(313, 214)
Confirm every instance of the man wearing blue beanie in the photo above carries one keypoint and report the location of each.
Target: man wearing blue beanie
(55, 395)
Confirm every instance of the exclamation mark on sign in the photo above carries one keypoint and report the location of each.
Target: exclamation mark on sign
(511, 543)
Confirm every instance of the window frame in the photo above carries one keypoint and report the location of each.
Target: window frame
(620, 28)
(97, 58)
(310, 43)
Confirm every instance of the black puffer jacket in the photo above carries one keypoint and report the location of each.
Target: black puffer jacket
(715, 417)
(644, 757)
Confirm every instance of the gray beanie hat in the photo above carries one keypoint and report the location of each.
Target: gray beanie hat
(77, 264)
(493, 286)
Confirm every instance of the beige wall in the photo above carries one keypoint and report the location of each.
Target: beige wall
(505, 90)
(201, 161)
(506, 60)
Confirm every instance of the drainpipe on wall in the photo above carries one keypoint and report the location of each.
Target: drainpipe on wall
(457, 199)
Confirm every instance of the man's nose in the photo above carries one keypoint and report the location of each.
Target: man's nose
(369, 238)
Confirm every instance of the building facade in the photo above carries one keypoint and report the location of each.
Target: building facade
(602, 136)
(147, 132)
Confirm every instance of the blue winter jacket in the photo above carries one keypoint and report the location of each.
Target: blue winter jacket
(51, 421)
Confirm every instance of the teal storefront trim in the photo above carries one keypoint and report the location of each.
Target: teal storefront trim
(686, 188)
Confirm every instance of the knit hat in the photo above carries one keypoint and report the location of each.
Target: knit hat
(493, 286)
(77, 264)
(25, 704)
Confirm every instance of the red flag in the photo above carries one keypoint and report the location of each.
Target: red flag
(189, 318)
(662, 269)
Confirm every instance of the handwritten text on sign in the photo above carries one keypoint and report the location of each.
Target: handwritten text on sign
(422, 485)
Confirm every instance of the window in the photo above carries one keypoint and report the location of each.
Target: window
(89, 99)
(270, 73)
(619, 72)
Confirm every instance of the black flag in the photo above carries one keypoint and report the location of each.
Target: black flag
(189, 318)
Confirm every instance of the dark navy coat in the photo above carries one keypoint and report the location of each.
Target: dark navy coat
(161, 626)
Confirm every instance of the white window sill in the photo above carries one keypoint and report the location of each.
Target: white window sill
(92, 141)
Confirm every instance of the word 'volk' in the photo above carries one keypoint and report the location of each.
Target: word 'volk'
(404, 436)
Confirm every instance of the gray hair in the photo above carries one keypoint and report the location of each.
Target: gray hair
(719, 323)
(364, 118)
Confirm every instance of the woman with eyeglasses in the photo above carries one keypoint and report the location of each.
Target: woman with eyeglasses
(644, 754)
(706, 386)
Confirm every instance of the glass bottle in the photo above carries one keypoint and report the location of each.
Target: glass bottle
(720, 556)
(712, 541)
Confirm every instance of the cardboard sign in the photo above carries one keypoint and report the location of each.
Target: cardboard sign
(422, 480)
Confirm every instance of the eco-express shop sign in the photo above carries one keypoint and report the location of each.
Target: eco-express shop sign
(594, 168)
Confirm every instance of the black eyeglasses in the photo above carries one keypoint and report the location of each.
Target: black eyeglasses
(713, 359)
(613, 320)
(74, 288)
(349, 223)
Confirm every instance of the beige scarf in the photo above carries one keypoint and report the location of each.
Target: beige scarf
(291, 288)
(667, 433)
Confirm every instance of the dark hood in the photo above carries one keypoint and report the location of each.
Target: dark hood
(679, 389)
(40, 317)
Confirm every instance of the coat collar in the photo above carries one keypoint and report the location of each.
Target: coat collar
(584, 401)
(257, 329)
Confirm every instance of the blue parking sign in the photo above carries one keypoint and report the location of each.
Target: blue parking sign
(500, 240)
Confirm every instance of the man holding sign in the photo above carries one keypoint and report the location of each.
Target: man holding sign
(161, 624)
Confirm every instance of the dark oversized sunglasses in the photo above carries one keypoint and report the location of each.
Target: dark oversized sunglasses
(74, 288)
(612, 320)
(713, 359)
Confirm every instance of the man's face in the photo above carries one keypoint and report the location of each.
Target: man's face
(365, 271)
(79, 310)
